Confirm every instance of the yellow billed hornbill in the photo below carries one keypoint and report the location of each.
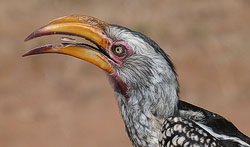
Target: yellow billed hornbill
(145, 84)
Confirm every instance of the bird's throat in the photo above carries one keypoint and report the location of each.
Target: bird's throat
(119, 84)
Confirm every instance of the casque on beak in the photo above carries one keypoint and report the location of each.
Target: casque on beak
(87, 27)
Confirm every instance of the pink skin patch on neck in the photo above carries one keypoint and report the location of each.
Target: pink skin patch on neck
(123, 86)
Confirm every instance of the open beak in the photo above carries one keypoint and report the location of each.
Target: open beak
(87, 27)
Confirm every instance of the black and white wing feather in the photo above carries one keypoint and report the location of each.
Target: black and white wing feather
(178, 131)
(222, 131)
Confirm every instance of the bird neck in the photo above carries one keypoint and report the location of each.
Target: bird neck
(145, 109)
(142, 127)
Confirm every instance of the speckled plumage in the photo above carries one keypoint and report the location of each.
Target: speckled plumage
(153, 114)
(178, 131)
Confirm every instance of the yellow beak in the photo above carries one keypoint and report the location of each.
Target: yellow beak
(87, 27)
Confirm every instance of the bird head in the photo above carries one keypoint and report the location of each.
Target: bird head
(139, 70)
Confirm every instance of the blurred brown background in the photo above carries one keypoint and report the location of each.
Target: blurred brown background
(60, 101)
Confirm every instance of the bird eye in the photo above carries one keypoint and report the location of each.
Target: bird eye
(119, 50)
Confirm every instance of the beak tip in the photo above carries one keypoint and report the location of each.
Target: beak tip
(26, 54)
(35, 34)
(27, 39)
(31, 52)
(42, 49)
(31, 36)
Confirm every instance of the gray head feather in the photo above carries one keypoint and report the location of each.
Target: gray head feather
(152, 86)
